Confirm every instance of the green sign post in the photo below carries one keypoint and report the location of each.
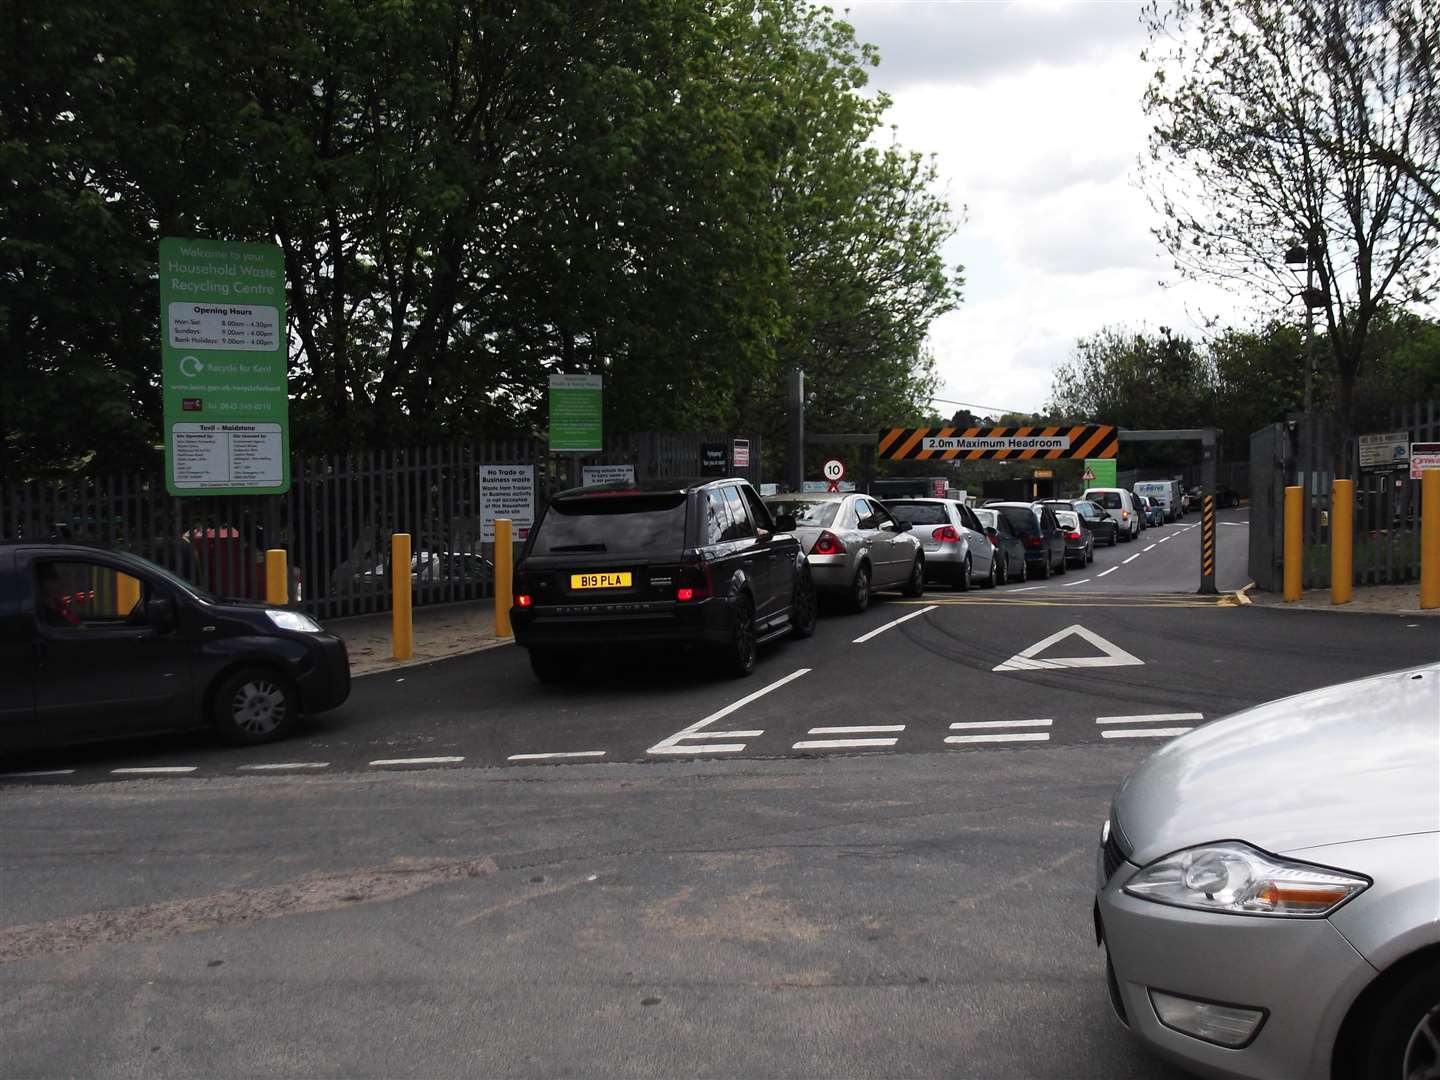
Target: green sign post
(1104, 470)
(575, 414)
(223, 354)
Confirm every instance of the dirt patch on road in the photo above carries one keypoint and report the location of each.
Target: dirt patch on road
(235, 907)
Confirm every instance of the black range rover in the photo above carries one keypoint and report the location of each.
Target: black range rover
(701, 565)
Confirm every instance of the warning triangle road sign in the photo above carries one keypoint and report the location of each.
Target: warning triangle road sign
(1026, 659)
(1088, 476)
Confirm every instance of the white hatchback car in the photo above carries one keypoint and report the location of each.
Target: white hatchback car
(1120, 505)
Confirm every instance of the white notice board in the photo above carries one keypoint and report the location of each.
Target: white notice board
(507, 491)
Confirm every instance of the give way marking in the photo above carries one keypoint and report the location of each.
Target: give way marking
(674, 744)
(1026, 659)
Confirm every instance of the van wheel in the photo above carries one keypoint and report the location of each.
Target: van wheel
(738, 657)
(860, 589)
(255, 705)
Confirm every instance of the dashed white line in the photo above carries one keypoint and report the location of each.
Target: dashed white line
(858, 729)
(1145, 733)
(35, 772)
(891, 625)
(971, 725)
(279, 765)
(1151, 718)
(1068, 584)
(418, 761)
(1162, 539)
(1151, 547)
(155, 770)
(1028, 588)
(672, 743)
(1132, 558)
(557, 756)
(1023, 736)
(840, 744)
(1104, 572)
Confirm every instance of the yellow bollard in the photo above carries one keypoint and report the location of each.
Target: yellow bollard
(1294, 542)
(504, 573)
(127, 594)
(1430, 538)
(401, 618)
(1342, 542)
(277, 577)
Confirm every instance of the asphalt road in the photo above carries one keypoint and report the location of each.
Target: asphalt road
(724, 885)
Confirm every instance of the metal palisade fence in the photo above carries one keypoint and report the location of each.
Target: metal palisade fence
(335, 522)
(1387, 500)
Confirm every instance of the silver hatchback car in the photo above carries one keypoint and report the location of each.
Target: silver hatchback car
(1269, 888)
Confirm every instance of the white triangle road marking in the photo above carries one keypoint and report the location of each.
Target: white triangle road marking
(1025, 660)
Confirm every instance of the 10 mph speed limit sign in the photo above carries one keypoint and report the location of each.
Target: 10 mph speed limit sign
(834, 471)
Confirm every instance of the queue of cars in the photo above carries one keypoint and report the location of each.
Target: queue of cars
(714, 568)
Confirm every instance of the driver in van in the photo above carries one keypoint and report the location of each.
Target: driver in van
(54, 600)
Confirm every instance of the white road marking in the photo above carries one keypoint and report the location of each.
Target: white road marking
(1104, 572)
(1145, 733)
(1082, 581)
(1025, 660)
(419, 761)
(1023, 736)
(671, 744)
(1151, 547)
(1162, 539)
(287, 765)
(1152, 718)
(891, 625)
(973, 724)
(840, 744)
(859, 729)
(553, 757)
(36, 772)
(1028, 588)
(155, 770)
(1131, 559)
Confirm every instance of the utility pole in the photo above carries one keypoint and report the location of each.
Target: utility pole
(795, 474)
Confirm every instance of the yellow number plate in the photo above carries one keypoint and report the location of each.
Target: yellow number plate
(600, 581)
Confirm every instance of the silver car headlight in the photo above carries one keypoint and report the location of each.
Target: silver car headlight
(293, 620)
(1239, 879)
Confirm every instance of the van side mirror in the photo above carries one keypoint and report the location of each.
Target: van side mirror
(785, 523)
(160, 611)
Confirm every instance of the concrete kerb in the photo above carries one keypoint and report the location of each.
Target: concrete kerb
(442, 631)
(1368, 600)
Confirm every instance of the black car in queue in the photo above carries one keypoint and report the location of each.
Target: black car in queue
(700, 565)
(102, 644)
(1040, 533)
(1105, 528)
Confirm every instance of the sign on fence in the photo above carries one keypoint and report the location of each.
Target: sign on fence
(740, 453)
(576, 412)
(223, 356)
(1423, 455)
(712, 459)
(1385, 451)
(507, 491)
(607, 474)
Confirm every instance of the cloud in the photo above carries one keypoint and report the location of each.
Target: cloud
(971, 42)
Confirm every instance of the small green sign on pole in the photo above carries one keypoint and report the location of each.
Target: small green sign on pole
(1104, 470)
(575, 413)
(223, 354)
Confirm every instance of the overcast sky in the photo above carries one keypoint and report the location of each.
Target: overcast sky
(1033, 111)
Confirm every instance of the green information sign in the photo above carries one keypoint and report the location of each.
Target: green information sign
(575, 413)
(1104, 470)
(223, 354)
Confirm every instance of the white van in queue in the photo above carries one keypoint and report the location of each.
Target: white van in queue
(1167, 493)
(1120, 505)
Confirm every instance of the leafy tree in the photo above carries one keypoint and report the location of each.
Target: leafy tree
(1135, 380)
(1268, 115)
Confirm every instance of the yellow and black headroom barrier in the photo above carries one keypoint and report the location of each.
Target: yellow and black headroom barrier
(1207, 546)
(1041, 443)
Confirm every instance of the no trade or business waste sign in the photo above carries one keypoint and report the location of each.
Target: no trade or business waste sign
(1013, 443)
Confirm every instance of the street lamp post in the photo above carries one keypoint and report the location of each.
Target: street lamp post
(1301, 256)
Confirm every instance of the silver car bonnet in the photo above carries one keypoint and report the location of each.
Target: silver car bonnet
(1347, 762)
